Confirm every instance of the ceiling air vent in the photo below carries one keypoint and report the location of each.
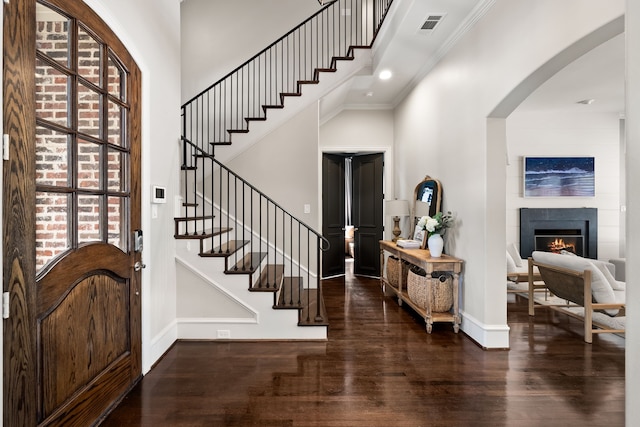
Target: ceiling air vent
(431, 22)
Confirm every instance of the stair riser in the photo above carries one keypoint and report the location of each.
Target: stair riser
(194, 226)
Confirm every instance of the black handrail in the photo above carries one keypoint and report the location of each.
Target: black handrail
(279, 70)
(302, 24)
(251, 186)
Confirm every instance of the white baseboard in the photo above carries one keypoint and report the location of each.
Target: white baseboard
(487, 336)
(159, 346)
(245, 329)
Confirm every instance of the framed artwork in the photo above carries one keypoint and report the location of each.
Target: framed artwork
(559, 177)
(420, 235)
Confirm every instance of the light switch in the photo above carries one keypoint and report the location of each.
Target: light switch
(307, 208)
(154, 211)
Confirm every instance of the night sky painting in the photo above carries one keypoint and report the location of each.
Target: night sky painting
(559, 176)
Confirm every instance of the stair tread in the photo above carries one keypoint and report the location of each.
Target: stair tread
(226, 249)
(309, 311)
(290, 295)
(220, 143)
(203, 234)
(247, 265)
(270, 279)
(193, 218)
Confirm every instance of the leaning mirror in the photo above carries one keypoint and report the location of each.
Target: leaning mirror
(427, 198)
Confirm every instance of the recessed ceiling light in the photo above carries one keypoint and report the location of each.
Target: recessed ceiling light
(586, 101)
(385, 75)
(368, 94)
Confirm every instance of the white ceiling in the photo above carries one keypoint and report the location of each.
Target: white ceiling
(597, 75)
(410, 53)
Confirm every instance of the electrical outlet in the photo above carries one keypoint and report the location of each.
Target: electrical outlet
(224, 334)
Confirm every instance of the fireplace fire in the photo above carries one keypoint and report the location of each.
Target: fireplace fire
(560, 241)
(559, 245)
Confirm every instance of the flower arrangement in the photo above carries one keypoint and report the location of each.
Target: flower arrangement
(437, 224)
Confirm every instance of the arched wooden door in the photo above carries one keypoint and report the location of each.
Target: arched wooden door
(71, 203)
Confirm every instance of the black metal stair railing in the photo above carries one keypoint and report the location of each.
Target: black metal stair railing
(280, 70)
(269, 243)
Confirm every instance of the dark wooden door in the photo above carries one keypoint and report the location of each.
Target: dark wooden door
(74, 331)
(333, 214)
(367, 216)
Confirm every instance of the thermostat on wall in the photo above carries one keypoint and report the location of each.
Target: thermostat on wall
(159, 194)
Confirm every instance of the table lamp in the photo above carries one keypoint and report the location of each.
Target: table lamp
(397, 208)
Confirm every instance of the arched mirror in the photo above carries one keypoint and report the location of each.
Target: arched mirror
(427, 198)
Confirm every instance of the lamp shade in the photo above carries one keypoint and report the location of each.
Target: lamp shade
(397, 207)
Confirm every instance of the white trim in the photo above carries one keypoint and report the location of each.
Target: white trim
(161, 343)
(487, 336)
(217, 320)
(202, 276)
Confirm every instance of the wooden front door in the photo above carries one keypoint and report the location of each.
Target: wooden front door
(71, 200)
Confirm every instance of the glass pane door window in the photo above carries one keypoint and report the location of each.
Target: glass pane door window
(82, 148)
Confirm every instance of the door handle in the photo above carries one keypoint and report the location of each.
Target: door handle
(139, 266)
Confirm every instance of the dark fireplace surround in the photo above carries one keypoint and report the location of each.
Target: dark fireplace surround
(583, 220)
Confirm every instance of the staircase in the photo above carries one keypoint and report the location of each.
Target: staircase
(232, 221)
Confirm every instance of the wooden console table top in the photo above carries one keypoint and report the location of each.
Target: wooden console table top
(423, 258)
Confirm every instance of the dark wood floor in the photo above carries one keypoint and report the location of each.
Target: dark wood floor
(380, 368)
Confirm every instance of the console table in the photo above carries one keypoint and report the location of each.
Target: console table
(422, 258)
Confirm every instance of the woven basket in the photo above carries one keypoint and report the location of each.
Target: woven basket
(441, 290)
(393, 264)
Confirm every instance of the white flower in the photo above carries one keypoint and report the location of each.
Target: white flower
(436, 224)
(431, 225)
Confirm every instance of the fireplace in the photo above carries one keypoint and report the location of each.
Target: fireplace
(558, 241)
(556, 229)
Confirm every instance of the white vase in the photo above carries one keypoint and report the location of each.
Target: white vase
(435, 243)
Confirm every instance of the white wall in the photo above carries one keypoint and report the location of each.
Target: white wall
(284, 165)
(219, 35)
(198, 298)
(157, 53)
(567, 134)
(442, 127)
(369, 131)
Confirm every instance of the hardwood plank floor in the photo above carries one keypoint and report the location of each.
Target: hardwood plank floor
(380, 368)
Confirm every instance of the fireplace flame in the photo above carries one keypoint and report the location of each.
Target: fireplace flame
(558, 245)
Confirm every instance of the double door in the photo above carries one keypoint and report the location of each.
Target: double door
(365, 182)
